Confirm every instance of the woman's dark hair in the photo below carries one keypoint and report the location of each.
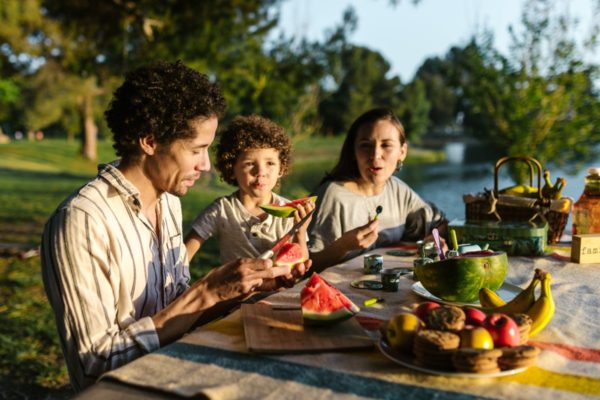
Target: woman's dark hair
(347, 168)
(251, 132)
(160, 99)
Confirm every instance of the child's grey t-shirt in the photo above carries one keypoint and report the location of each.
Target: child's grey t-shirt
(240, 233)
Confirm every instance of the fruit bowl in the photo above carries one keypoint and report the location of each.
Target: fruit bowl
(460, 278)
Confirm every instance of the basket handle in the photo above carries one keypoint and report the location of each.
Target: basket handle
(531, 162)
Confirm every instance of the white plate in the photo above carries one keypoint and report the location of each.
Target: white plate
(507, 292)
(408, 362)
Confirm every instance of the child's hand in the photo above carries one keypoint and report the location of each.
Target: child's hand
(302, 210)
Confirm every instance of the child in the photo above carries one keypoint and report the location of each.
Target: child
(253, 154)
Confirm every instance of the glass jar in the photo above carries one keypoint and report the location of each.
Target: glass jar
(586, 211)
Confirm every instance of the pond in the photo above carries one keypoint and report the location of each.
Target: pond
(445, 183)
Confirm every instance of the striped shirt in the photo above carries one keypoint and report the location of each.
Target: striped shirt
(106, 272)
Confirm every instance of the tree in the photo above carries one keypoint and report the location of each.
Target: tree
(434, 73)
(538, 103)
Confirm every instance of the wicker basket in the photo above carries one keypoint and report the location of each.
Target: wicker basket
(492, 206)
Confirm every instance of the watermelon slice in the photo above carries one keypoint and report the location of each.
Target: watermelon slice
(290, 254)
(286, 210)
(323, 304)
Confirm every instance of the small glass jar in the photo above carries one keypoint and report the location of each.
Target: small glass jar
(390, 278)
(372, 264)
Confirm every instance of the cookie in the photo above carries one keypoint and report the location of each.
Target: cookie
(524, 322)
(436, 340)
(476, 360)
(446, 318)
(518, 357)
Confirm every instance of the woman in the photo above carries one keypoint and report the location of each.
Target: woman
(345, 222)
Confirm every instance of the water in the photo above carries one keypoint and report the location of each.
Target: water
(445, 183)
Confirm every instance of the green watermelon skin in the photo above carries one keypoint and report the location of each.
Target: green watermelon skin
(460, 278)
(287, 210)
(323, 304)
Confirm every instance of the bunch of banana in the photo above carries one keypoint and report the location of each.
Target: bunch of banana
(541, 310)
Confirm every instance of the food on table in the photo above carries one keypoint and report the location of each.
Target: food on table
(504, 330)
(517, 357)
(461, 278)
(474, 316)
(434, 349)
(290, 254)
(479, 361)
(542, 311)
(519, 304)
(286, 210)
(423, 308)
(476, 337)
(324, 304)
(401, 330)
(446, 318)
(443, 340)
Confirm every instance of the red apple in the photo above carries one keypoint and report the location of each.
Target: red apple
(504, 330)
(423, 308)
(475, 316)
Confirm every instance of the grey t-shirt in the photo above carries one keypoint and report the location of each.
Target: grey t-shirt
(405, 215)
(240, 233)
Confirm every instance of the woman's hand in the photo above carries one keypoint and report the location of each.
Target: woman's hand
(360, 238)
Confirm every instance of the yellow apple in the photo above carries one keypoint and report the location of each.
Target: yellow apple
(476, 337)
(401, 330)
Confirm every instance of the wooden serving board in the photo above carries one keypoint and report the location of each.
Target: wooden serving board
(280, 330)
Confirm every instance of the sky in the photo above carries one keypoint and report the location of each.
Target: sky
(407, 34)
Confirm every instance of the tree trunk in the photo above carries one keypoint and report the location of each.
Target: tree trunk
(88, 128)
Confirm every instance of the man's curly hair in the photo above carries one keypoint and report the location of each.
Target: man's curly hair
(251, 132)
(160, 99)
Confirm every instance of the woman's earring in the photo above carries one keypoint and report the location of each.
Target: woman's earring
(399, 166)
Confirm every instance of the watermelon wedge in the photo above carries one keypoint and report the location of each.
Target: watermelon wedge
(290, 254)
(323, 304)
(286, 210)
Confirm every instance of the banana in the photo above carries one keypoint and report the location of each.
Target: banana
(521, 303)
(542, 311)
(490, 299)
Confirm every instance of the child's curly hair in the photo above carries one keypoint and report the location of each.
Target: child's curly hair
(251, 132)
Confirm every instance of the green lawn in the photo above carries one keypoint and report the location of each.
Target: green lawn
(35, 177)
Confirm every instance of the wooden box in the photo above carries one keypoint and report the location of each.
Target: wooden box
(586, 249)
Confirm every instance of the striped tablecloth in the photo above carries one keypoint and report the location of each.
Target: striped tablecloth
(213, 361)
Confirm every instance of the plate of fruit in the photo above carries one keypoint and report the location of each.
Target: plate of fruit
(473, 342)
(506, 293)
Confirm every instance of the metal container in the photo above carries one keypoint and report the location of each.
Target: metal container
(372, 264)
(390, 278)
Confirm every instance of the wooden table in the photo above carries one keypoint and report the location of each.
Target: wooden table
(213, 360)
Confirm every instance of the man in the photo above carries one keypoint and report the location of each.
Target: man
(113, 260)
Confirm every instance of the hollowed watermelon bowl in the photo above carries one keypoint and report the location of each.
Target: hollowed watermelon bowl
(460, 278)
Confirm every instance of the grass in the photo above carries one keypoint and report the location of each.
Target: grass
(35, 177)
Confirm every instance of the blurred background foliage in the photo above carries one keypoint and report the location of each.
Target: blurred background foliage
(60, 60)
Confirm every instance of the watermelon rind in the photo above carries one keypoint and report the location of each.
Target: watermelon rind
(313, 318)
(287, 210)
(460, 278)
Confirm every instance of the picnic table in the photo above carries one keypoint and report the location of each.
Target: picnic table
(213, 361)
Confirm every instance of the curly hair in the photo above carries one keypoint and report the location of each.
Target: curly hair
(251, 132)
(160, 99)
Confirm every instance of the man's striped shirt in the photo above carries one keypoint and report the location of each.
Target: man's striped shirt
(106, 272)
